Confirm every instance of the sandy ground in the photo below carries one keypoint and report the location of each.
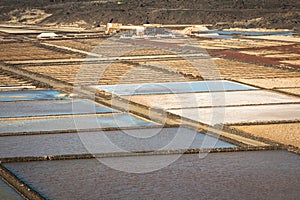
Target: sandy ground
(153, 71)
(236, 43)
(27, 51)
(256, 29)
(261, 52)
(6, 80)
(287, 85)
(106, 74)
(277, 38)
(19, 31)
(293, 62)
(222, 68)
(78, 44)
(282, 133)
(28, 16)
(272, 83)
(295, 91)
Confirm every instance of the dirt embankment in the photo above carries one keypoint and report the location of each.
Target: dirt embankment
(222, 14)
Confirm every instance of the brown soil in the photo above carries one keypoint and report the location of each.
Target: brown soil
(227, 69)
(261, 58)
(27, 51)
(10, 80)
(283, 133)
(91, 74)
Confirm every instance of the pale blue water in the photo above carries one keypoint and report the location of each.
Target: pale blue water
(234, 175)
(72, 123)
(174, 87)
(49, 108)
(26, 95)
(98, 142)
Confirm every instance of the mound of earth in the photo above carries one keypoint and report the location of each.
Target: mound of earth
(91, 13)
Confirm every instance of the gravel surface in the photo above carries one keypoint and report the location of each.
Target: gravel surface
(283, 133)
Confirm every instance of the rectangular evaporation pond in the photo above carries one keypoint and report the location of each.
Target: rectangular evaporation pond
(6, 192)
(234, 175)
(26, 95)
(253, 33)
(242, 114)
(107, 142)
(72, 123)
(209, 99)
(174, 87)
(48, 108)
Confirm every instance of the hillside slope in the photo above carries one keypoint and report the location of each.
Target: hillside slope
(90, 13)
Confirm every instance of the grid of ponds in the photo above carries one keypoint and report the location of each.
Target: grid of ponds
(42, 124)
(45, 123)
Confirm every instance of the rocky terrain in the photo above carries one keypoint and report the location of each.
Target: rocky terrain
(91, 13)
